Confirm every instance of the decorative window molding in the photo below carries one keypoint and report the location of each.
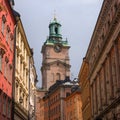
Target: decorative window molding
(10, 66)
(2, 52)
(6, 59)
(58, 76)
(8, 28)
(3, 19)
(3, 24)
(11, 36)
(8, 33)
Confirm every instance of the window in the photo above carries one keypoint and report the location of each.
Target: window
(58, 76)
(56, 30)
(2, 52)
(3, 24)
(9, 109)
(11, 41)
(4, 105)
(67, 94)
(52, 76)
(7, 33)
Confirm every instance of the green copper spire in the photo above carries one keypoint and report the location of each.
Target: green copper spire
(54, 29)
(55, 36)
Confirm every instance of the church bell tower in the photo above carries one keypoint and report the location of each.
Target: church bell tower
(55, 52)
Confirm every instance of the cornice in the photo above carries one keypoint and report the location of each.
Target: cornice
(58, 62)
(109, 39)
(99, 25)
(23, 35)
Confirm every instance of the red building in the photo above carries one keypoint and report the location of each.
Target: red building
(7, 25)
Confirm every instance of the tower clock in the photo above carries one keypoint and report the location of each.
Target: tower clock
(55, 51)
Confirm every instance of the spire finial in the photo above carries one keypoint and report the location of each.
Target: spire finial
(55, 15)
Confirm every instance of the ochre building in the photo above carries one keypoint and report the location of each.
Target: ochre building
(55, 62)
(54, 99)
(22, 85)
(73, 104)
(103, 57)
(85, 90)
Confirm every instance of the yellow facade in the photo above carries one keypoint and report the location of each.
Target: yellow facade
(22, 56)
(85, 90)
(32, 89)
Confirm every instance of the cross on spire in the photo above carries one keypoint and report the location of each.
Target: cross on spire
(55, 15)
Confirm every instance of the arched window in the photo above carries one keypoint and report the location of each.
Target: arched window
(56, 30)
(58, 76)
(52, 76)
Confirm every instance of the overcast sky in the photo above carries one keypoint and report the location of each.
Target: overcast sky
(78, 19)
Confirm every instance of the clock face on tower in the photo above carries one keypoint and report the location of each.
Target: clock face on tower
(57, 48)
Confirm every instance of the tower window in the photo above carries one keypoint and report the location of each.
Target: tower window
(67, 94)
(58, 76)
(56, 30)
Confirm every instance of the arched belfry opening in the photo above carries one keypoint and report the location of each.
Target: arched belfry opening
(56, 30)
(58, 76)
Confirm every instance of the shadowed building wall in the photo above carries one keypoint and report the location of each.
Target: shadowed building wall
(103, 57)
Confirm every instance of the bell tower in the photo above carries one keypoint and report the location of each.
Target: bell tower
(55, 52)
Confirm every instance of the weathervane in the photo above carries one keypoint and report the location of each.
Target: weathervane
(55, 15)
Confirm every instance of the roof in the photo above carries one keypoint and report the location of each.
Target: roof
(54, 22)
(75, 88)
(50, 41)
(62, 83)
(16, 14)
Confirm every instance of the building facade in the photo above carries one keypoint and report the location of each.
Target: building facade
(55, 64)
(103, 57)
(22, 73)
(32, 88)
(7, 24)
(54, 103)
(39, 109)
(73, 105)
(85, 90)
(55, 51)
